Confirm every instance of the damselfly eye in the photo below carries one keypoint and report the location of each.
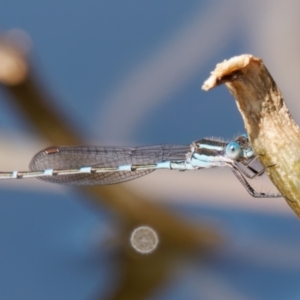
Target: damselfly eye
(233, 150)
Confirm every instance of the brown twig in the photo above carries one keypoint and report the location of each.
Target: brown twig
(274, 135)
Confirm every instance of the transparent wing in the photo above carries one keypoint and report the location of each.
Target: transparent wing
(77, 157)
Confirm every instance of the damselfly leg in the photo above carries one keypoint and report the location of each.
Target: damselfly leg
(237, 172)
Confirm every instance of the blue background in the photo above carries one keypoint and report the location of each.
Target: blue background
(130, 72)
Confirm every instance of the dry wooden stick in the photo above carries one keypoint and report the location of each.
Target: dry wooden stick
(274, 135)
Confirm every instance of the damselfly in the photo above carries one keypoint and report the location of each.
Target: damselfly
(111, 165)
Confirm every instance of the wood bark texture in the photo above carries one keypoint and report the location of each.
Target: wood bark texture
(274, 135)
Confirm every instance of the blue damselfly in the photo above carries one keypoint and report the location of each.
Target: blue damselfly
(93, 165)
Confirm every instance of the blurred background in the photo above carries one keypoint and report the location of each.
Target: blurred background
(129, 73)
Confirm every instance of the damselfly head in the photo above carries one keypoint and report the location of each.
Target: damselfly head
(243, 141)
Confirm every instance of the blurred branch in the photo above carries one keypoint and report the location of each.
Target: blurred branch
(134, 209)
(274, 135)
